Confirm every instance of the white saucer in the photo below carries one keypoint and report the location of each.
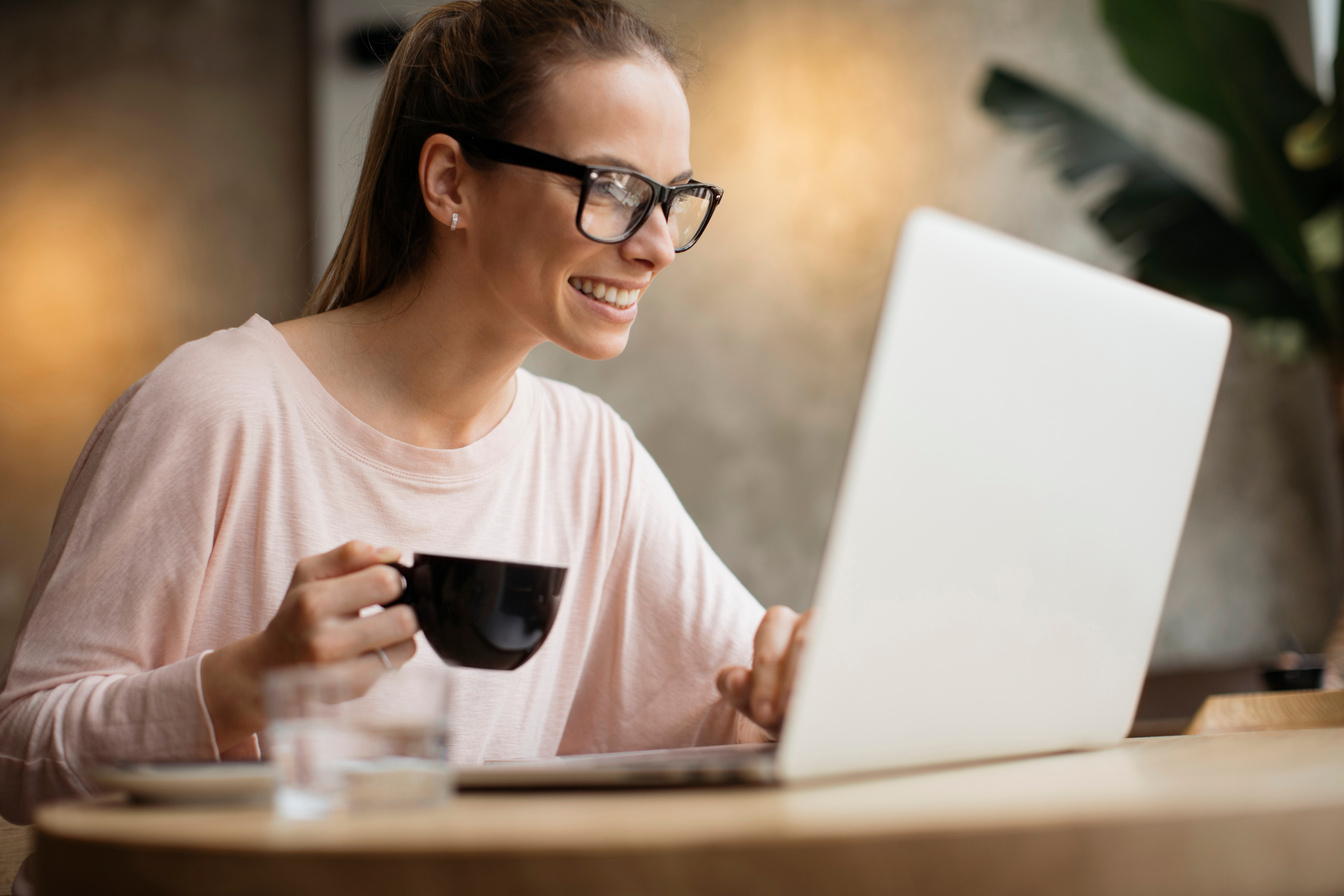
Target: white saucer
(189, 782)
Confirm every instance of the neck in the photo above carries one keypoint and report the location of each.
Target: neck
(430, 361)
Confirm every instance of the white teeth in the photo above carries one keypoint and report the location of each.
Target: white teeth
(621, 298)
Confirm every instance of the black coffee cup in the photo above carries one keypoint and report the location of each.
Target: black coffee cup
(486, 614)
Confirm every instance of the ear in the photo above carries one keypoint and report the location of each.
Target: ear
(444, 173)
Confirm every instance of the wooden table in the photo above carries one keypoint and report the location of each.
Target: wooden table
(1229, 814)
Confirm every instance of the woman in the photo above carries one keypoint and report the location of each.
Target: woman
(526, 179)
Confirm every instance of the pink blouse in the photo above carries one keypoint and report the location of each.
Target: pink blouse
(210, 478)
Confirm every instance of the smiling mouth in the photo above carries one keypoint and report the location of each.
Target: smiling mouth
(607, 295)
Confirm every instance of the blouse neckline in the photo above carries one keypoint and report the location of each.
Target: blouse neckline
(381, 451)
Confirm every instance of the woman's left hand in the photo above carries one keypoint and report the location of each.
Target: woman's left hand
(762, 692)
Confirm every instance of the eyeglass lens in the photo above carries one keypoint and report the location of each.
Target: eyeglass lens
(617, 202)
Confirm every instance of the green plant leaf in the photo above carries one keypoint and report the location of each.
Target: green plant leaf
(1316, 142)
(1226, 64)
(1181, 242)
(1339, 60)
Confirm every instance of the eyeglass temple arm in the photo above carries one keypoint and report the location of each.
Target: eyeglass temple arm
(511, 153)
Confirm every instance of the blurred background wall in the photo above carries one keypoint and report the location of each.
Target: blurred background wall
(154, 186)
(155, 171)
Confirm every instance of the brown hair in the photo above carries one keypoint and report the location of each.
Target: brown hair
(474, 65)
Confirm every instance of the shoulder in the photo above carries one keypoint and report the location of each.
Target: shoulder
(194, 408)
(573, 410)
(581, 434)
(205, 396)
(229, 375)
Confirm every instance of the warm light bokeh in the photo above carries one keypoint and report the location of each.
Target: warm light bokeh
(86, 271)
(153, 188)
(819, 126)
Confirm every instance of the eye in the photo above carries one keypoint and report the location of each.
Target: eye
(619, 189)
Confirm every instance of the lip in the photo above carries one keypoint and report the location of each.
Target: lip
(608, 312)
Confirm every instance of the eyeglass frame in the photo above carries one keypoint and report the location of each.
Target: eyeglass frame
(663, 196)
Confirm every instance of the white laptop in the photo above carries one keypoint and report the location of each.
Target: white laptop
(1014, 492)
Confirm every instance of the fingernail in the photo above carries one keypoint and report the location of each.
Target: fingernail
(388, 555)
(762, 710)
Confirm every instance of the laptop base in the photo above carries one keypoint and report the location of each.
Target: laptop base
(740, 764)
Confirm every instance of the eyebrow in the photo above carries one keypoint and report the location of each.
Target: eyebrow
(617, 162)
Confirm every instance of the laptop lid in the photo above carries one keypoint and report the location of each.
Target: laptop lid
(1013, 496)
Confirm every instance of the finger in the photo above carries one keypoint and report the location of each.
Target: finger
(349, 638)
(772, 645)
(349, 557)
(350, 593)
(362, 673)
(369, 667)
(390, 628)
(791, 661)
(400, 653)
(734, 683)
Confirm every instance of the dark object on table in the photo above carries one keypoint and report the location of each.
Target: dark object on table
(1293, 671)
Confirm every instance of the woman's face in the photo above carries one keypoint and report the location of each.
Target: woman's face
(629, 113)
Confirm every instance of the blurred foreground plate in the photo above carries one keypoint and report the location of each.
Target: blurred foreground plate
(189, 782)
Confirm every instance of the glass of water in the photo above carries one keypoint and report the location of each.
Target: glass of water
(342, 738)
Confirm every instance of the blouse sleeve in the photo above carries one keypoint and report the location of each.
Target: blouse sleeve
(673, 615)
(100, 669)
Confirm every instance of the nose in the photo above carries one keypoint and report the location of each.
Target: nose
(651, 245)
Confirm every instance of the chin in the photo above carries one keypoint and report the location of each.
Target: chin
(596, 352)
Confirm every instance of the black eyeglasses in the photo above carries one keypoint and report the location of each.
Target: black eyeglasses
(613, 202)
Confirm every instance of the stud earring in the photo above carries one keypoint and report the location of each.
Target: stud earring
(453, 226)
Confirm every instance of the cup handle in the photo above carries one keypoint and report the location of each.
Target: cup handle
(404, 597)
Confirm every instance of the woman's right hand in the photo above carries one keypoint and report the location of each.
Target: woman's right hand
(318, 622)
